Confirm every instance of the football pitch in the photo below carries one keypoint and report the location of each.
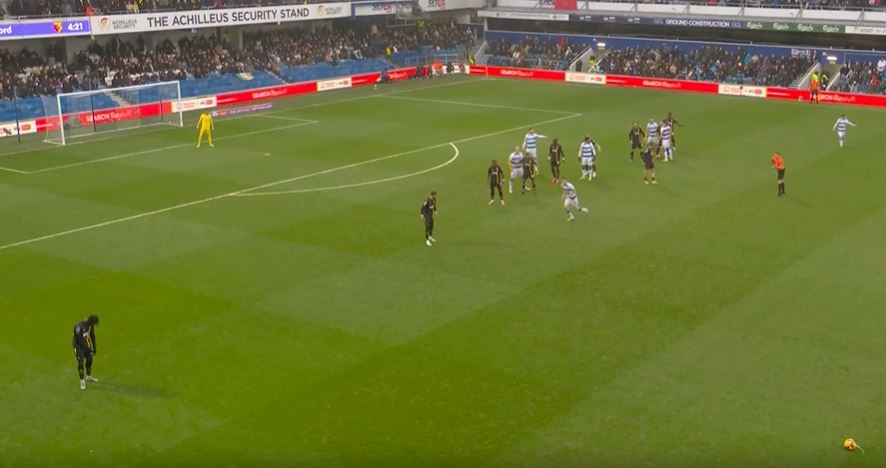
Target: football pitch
(271, 301)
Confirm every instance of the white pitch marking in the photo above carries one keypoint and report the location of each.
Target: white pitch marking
(358, 184)
(302, 123)
(263, 186)
(14, 171)
(281, 117)
(288, 109)
(475, 104)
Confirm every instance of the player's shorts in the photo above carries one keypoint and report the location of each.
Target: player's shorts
(528, 174)
(588, 162)
(516, 173)
(651, 141)
(429, 221)
(780, 174)
(532, 152)
(666, 144)
(636, 144)
(841, 135)
(649, 166)
(80, 353)
(571, 203)
(493, 185)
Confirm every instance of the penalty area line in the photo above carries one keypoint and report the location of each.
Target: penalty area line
(240, 192)
(357, 184)
(301, 123)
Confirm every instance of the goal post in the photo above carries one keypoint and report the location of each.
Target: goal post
(86, 113)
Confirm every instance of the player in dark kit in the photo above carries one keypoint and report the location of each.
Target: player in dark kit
(84, 348)
(530, 168)
(495, 175)
(648, 166)
(428, 211)
(674, 124)
(555, 154)
(636, 136)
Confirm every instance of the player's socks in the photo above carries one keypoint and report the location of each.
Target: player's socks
(82, 384)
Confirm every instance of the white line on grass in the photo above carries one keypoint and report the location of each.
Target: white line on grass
(302, 123)
(358, 184)
(281, 117)
(262, 186)
(474, 104)
(279, 111)
(15, 171)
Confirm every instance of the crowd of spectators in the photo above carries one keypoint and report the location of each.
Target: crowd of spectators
(806, 4)
(862, 77)
(706, 64)
(95, 7)
(532, 52)
(118, 63)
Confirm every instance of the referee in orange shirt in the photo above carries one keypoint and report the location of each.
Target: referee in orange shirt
(778, 164)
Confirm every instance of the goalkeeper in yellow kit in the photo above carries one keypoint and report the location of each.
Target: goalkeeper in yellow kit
(205, 127)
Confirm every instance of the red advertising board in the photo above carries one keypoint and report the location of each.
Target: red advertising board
(273, 92)
(103, 116)
(524, 73)
(790, 94)
(662, 83)
(566, 4)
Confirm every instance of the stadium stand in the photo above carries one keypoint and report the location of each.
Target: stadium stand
(862, 77)
(208, 65)
(95, 7)
(532, 52)
(706, 64)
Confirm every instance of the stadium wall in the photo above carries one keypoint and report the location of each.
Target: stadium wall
(45, 124)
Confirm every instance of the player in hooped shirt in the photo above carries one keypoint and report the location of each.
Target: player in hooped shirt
(652, 135)
(587, 157)
(515, 162)
(666, 141)
(841, 125)
(530, 144)
(570, 200)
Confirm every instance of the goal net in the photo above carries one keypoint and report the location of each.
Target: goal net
(85, 113)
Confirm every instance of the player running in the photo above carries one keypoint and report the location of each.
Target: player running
(205, 126)
(557, 158)
(652, 135)
(778, 165)
(85, 348)
(515, 161)
(841, 126)
(570, 200)
(635, 136)
(495, 175)
(587, 156)
(667, 133)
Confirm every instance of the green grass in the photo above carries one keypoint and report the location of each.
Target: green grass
(700, 322)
